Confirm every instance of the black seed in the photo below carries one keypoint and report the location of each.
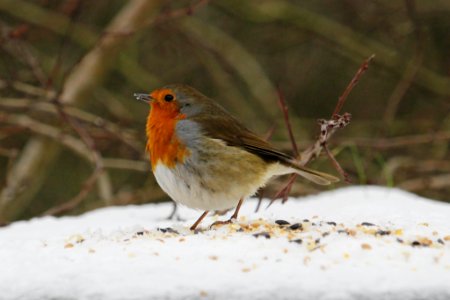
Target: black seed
(263, 234)
(325, 234)
(306, 220)
(399, 240)
(313, 224)
(440, 241)
(317, 241)
(140, 233)
(298, 241)
(168, 229)
(296, 226)
(342, 231)
(383, 232)
(415, 244)
(331, 223)
(282, 222)
(367, 224)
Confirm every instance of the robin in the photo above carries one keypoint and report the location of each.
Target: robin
(204, 158)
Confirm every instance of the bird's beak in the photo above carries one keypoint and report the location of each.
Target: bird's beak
(143, 97)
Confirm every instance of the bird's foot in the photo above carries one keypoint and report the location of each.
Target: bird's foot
(220, 223)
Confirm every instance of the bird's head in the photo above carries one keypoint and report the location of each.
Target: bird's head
(174, 99)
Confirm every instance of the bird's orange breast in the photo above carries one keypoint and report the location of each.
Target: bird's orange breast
(162, 143)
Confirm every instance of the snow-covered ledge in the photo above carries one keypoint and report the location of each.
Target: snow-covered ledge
(352, 243)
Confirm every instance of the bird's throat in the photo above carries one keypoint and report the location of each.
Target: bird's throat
(162, 143)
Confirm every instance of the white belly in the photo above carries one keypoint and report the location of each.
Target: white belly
(185, 188)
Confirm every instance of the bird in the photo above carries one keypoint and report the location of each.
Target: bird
(206, 159)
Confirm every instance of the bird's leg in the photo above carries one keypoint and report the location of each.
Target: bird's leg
(236, 211)
(199, 220)
(233, 217)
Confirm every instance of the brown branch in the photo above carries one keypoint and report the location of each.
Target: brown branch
(336, 164)
(327, 129)
(284, 109)
(362, 69)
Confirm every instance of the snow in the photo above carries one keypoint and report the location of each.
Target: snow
(118, 253)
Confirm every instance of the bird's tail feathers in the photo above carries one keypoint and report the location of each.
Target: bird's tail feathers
(313, 175)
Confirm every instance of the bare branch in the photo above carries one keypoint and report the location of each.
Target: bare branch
(327, 129)
(284, 109)
(362, 69)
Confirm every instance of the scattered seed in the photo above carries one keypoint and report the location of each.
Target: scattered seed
(425, 242)
(68, 245)
(213, 257)
(331, 223)
(383, 232)
(367, 224)
(168, 230)
(263, 234)
(282, 222)
(246, 270)
(298, 241)
(366, 246)
(296, 226)
(203, 294)
(447, 238)
(398, 232)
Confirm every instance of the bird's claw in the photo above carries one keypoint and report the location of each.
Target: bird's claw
(217, 223)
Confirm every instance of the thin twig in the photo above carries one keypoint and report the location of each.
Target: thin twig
(284, 109)
(327, 129)
(336, 164)
(362, 69)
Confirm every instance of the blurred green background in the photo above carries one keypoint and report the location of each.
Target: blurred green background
(72, 136)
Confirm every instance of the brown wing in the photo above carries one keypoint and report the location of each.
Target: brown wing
(232, 132)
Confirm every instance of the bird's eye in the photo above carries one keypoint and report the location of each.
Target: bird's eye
(168, 97)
